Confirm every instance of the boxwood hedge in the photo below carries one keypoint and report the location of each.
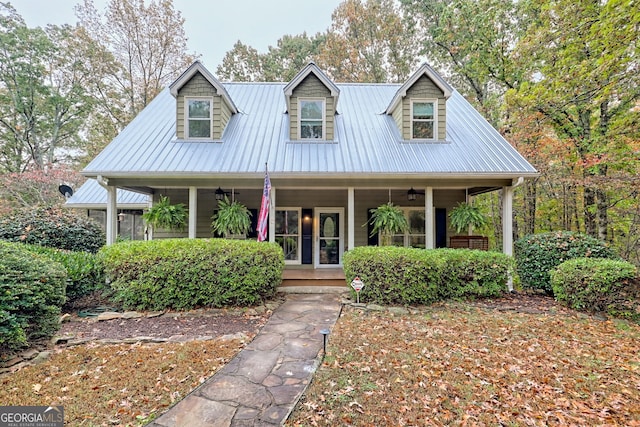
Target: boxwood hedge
(537, 254)
(85, 272)
(32, 290)
(53, 227)
(394, 275)
(186, 273)
(598, 285)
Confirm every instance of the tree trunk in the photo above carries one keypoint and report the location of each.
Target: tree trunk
(603, 217)
(590, 211)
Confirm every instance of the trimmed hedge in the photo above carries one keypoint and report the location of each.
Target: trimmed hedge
(394, 275)
(53, 227)
(474, 273)
(537, 254)
(85, 272)
(32, 290)
(598, 285)
(187, 273)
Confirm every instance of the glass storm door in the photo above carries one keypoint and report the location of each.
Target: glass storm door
(329, 237)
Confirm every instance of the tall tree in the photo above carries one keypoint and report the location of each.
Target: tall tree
(585, 79)
(145, 49)
(279, 64)
(474, 40)
(367, 42)
(43, 99)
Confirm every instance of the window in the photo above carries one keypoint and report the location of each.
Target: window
(288, 233)
(311, 118)
(414, 237)
(423, 119)
(198, 118)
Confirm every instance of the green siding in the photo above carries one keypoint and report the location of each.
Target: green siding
(199, 86)
(312, 87)
(424, 88)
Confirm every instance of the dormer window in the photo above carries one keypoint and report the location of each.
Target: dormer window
(199, 117)
(424, 119)
(312, 118)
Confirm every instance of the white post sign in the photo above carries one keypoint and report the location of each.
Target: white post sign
(357, 286)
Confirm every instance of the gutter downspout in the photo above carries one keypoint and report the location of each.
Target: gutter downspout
(507, 223)
(112, 211)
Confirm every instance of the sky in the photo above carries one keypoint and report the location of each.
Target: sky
(212, 26)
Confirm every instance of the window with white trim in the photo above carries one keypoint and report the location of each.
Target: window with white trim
(198, 117)
(415, 236)
(311, 118)
(424, 119)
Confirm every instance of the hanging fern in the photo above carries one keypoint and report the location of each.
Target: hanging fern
(387, 220)
(166, 216)
(465, 215)
(231, 218)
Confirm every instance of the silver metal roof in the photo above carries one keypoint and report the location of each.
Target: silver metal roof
(367, 141)
(91, 195)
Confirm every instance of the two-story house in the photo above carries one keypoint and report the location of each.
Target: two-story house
(333, 152)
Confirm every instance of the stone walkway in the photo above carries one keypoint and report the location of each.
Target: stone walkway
(262, 384)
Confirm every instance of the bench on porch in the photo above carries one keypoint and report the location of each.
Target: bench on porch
(469, 242)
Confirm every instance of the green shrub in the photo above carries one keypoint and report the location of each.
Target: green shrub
(187, 273)
(394, 275)
(598, 285)
(52, 227)
(31, 294)
(537, 254)
(474, 273)
(85, 272)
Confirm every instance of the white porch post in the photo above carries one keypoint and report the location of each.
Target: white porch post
(112, 215)
(351, 239)
(272, 215)
(429, 226)
(193, 211)
(507, 227)
(507, 220)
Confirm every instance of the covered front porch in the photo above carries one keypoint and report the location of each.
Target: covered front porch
(316, 220)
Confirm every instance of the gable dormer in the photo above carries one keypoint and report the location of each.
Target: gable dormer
(419, 107)
(203, 105)
(312, 100)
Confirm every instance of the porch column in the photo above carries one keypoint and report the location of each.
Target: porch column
(351, 239)
(429, 227)
(193, 211)
(272, 215)
(507, 220)
(112, 215)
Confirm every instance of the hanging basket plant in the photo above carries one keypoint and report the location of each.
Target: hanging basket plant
(232, 218)
(465, 215)
(387, 220)
(164, 215)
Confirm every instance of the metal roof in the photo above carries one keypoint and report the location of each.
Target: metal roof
(367, 141)
(92, 195)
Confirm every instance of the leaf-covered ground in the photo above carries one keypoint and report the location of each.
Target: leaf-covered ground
(117, 385)
(476, 365)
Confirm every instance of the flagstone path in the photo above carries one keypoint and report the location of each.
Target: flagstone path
(262, 384)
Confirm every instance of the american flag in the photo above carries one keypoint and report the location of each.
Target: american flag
(264, 208)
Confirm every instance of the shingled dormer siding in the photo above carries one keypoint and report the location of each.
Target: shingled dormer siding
(424, 88)
(199, 86)
(311, 87)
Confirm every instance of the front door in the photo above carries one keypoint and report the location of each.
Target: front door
(329, 242)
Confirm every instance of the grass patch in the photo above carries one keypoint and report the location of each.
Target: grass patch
(462, 365)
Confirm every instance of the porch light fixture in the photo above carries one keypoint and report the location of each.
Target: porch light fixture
(121, 217)
(412, 194)
(220, 193)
